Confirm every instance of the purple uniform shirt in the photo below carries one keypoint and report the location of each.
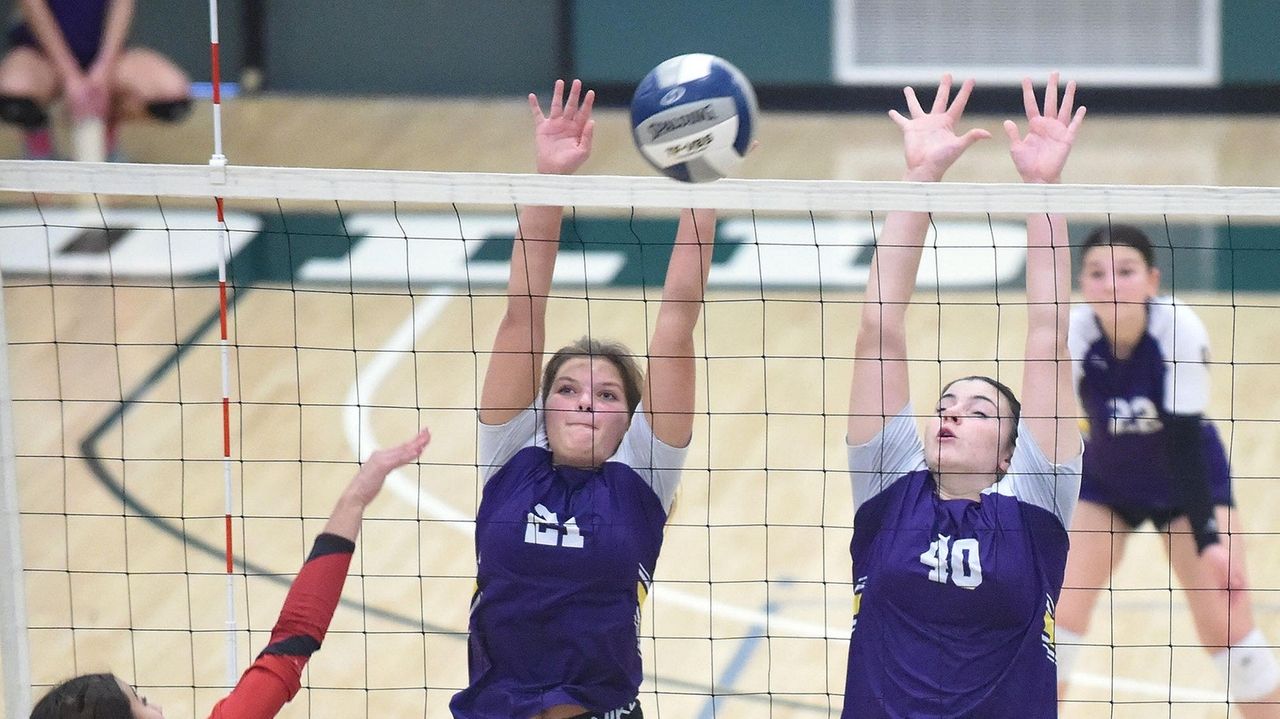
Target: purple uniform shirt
(1126, 464)
(954, 599)
(564, 560)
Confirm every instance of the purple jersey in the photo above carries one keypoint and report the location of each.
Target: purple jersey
(954, 599)
(1126, 464)
(81, 22)
(564, 560)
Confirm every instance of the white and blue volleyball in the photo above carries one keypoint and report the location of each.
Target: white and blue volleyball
(693, 117)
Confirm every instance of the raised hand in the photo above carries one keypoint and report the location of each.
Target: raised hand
(1041, 155)
(929, 139)
(562, 137)
(373, 472)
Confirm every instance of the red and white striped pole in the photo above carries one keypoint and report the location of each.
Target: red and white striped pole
(219, 160)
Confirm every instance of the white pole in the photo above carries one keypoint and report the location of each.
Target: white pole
(13, 596)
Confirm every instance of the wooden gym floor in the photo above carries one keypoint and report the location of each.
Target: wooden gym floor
(104, 561)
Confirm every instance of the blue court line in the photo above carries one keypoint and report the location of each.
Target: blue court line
(755, 633)
(204, 90)
(739, 662)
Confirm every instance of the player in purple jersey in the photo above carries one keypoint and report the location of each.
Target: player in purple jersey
(580, 472)
(1141, 371)
(75, 50)
(960, 541)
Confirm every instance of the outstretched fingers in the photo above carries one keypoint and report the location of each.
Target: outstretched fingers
(973, 136)
(1068, 103)
(1051, 96)
(1011, 130)
(402, 454)
(415, 446)
(577, 106)
(913, 103)
(1029, 104)
(571, 102)
(943, 95)
(962, 99)
(557, 109)
(1075, 121)
(588, 101)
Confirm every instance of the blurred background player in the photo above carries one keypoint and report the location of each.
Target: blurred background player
(274, 678)
(581, 460)
(76, 50)
(1142, 374)
(960, 541)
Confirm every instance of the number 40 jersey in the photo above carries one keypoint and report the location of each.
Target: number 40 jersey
(954, 599)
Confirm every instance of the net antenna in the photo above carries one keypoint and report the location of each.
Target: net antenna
(218, 161)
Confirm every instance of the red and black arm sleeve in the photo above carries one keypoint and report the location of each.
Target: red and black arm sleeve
(275, 677)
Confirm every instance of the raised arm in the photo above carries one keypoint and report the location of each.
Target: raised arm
(563, 142)
(275, 676)
(1048, 402)
(668, 393)
(880, 388)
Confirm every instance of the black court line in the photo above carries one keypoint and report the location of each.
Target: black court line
(116, 487)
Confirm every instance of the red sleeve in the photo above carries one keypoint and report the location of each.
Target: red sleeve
(266, 686)
(275, 677)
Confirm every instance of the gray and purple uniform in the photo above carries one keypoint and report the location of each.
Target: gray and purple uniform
(1126, 462)
(954, 599)
(564, 559)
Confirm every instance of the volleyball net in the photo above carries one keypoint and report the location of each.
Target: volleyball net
(193, 382)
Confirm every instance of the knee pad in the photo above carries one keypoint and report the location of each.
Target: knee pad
(170, 110)
(23, 112)
(1067, 646)
(1250, 668)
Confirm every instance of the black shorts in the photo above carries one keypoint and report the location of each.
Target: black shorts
(630, 710)
(1135, 517)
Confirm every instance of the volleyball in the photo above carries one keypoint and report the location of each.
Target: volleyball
(693, 116)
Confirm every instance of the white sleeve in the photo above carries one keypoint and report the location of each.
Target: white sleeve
(498, 443)
(658, 463)
(1082, 332)
(1184, 343)
(889, 455)
(1034, 479)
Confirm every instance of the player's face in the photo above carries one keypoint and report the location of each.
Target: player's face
(586, 412)
(1115, 280)
(139, 707)
(970, 430)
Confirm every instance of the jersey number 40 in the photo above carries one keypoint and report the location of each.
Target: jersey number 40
(957, 562)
